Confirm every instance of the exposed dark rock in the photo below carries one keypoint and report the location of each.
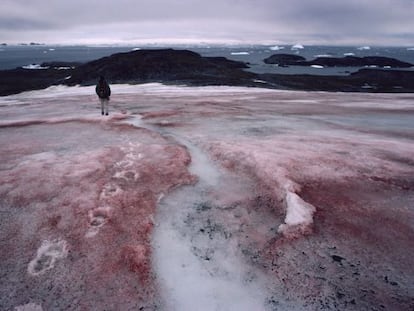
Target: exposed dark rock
(337, 258)
(61, 64)
(365, 80)
(284, 59)
(166, 65)
(19, 80)
(354, 61)
(347, 61)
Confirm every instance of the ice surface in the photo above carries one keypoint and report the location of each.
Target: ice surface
(206, 198)
(29, 307)
(47, 255)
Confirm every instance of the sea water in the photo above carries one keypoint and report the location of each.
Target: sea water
(23, 55)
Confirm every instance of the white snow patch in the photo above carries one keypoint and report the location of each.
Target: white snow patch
(299, 214)
(323, 55)
(349, 54)
(188, 281)
(317, 66)
(29, 307)
(259, 81)
(362, 48)
(136, 49)
(46, 256)
(63, 68)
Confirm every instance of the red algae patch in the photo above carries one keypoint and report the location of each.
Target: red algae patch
(78, 201)
(210, 198)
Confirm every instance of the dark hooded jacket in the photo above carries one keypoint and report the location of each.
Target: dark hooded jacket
(102, 89)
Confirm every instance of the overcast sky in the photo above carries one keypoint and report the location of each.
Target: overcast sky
(356, 22)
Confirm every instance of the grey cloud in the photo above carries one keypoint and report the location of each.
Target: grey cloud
(249, 20)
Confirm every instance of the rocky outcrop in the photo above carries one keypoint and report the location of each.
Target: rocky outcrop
(19, 80)
(365, 80)
(166, 65)
(284, 59)
(347, 61)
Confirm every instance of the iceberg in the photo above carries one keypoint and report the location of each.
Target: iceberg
(34, 67)
(276, 48)
(362, 48)
(297, 47)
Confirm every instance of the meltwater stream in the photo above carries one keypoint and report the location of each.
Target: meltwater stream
(196, 257)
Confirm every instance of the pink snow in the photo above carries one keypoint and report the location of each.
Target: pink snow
(291, 200)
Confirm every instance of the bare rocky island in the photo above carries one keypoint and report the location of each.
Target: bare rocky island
(186, 67)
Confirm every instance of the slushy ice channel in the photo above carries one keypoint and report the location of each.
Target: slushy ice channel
(197, 257)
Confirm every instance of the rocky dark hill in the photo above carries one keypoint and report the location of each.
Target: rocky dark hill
(165, 65)
(347, 61)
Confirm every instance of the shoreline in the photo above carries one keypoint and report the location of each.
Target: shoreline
(178, 67)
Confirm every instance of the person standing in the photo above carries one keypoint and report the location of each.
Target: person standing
(104, 92)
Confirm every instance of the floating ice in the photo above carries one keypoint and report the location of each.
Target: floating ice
(362, 48)
(34, 67)
(349, 54)
(297, 47)
(276, 48)
(46, 256)
(239, 53)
